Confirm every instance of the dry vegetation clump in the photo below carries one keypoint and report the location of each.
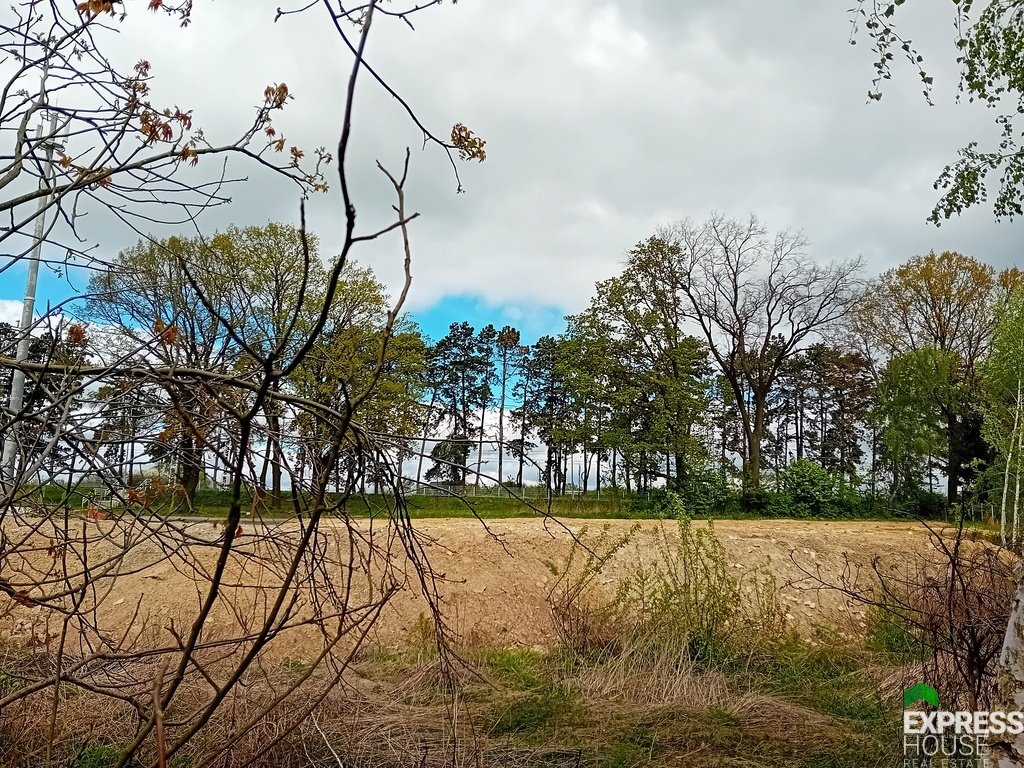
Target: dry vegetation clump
(942, 613)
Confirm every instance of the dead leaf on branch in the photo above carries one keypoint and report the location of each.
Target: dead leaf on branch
(469, 146)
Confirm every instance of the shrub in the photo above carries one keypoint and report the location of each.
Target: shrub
(685, 605)
(582, 623)
(947, 609)
(706, 492)
(810, 488)
(929, 505)
(688, 596)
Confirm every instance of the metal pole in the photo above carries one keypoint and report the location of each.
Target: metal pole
(28, 307)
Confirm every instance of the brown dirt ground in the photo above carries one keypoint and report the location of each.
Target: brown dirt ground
(499, 591)
(496, 580)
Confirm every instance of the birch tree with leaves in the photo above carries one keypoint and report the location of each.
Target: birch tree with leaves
(1002, 375)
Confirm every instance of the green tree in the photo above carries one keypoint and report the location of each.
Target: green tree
(486, 342)
(649, 371)
(220, 304)
(757, 299)
(942, 302)
(277, 291)
(1002, 374)
(461, 369)
(169, 300)
(546, 409)
(918, 391)
(351, 357)
(510, 356)
(822, 405)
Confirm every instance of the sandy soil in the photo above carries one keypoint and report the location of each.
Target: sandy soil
(494, 583)
(499, 591)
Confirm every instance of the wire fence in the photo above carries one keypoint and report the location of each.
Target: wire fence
(509, 491)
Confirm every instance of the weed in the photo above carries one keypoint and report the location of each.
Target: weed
(624, 755)
(97, 755)
(888, 632)
(582, 624)
(423, 638)
(8, 684)
(537, 711)
(521, 668)
(690, 598)
(294, 668)
(828, 679)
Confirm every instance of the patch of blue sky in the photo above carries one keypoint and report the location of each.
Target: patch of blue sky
(54, 286)
(532, 320)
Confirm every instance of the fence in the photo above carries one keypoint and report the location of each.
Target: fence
(504, 492)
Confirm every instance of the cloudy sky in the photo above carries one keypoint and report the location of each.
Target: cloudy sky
(602, 120)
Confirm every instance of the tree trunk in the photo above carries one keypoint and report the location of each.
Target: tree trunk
(548, 459)
(276, 461)
(501, 416)
(721, 464)
(752, 467)
(585, 471)
(1015, 531)
(426, 429)
(191, 460)
(952, 462)
(480, 450)
(1009, 751)
(1009, 462)
(798, 426)
(131, 460)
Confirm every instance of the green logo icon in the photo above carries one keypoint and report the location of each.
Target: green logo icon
(920, 692)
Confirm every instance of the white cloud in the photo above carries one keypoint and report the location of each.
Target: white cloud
(10, 311)
(602, 121)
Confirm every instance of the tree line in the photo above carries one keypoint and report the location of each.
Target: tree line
(721, 359)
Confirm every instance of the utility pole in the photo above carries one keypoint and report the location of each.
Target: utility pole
(17, 399)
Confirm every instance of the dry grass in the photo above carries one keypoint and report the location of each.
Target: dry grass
(638, 676)
(642, 706)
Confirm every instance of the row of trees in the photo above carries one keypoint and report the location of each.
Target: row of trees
(220, 306)
(721, 352)
(721, 344)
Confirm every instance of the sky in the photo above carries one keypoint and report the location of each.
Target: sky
(603, 120)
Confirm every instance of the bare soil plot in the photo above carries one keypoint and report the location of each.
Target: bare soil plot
(494, 580)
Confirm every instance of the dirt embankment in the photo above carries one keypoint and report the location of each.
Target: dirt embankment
(498, 585)
(494, 580)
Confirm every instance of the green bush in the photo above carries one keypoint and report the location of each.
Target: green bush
(706, 493)
(929, 505)
(850, 501)
(690, 597)
(810, 488)
(97, 755)
(757, 502)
